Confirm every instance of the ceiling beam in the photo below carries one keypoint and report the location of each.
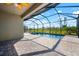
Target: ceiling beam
(43, 9)
(47, 7)
(33, 7)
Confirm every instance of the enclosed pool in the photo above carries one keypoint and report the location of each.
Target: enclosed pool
(50, 36)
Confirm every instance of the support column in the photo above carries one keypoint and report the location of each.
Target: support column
(11, 26)
(78, 26)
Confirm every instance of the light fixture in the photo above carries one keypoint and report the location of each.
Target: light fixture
(20, 6)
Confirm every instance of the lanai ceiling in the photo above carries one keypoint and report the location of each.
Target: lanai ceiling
(15, 8)
(25, 10)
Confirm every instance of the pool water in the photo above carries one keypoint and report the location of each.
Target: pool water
(50, 36)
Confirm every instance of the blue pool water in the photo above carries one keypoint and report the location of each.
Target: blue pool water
(51, 36)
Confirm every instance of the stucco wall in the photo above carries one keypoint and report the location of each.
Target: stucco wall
(11, 26)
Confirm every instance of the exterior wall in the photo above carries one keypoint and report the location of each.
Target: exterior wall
(11, 26)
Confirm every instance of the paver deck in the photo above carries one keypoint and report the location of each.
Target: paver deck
(33, 45)
(69, 46)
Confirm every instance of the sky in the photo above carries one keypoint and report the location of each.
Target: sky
(54, 17)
